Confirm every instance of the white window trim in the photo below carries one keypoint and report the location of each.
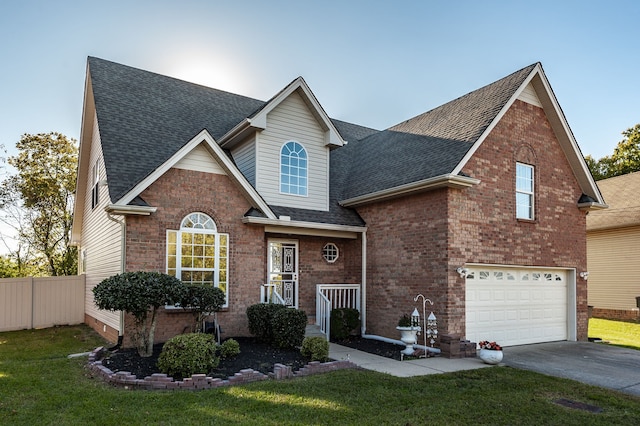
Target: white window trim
(280, 170)
(216, 269)
(335, 248)
(531, 194)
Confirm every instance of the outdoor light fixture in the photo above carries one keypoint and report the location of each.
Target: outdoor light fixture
(415, 317)
(584, 275)
(462, 271)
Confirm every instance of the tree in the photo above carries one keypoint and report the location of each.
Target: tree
(43, 188)
(625, 158)
(140, 294)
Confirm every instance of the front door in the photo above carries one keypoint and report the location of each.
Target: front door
(283, 270)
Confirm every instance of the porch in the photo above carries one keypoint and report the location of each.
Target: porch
(328, 297)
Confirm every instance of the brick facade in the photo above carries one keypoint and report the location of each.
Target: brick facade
(176, 194)
(415, 243)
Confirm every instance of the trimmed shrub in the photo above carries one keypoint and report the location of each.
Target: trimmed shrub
(343, 322)
(289, 326)
(230, 348)
(188, 354)
(202, 300)
(315, 349)
(260, 318)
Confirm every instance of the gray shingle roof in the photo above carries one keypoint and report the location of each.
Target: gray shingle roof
(144, 118)
(428, 145)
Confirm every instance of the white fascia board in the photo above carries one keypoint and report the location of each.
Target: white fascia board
(130, 210)
(557, 119)
(332, 136)
(222, 159)
(306, 228)
(84, 154)
(444, 181)
(592, 206)
(495, 122)
(229, 139)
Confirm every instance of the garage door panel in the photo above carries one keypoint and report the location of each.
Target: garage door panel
(516, 307)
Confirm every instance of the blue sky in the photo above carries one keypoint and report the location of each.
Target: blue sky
(373, 63)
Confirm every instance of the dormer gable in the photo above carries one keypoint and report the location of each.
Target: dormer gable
(258, 121)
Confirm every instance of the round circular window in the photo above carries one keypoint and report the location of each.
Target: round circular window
(330, 252)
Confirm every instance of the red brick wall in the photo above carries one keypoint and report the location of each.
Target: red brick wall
(615, 314)
(313, 269)
(415, 243)
(176, 194)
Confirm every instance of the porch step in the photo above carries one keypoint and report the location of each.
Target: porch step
(313, 330)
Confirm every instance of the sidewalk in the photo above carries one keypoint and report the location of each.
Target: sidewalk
(410, 368)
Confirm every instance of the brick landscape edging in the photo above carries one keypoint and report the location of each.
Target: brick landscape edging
(158, 381)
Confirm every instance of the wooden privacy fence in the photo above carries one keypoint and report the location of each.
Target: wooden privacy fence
(41, 302)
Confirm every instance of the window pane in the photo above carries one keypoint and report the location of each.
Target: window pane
(209, 262)
(171, 262)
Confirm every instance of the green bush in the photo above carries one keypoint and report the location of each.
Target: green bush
(289, 326)
(230, 348)
(315, 349)
(188, 354)
(141, 294)
(343, 322)
(260, 318)
(202, 300)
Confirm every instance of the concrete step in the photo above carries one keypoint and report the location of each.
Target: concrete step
(313, 330)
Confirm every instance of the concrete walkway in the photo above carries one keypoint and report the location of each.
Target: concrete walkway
(409, 368)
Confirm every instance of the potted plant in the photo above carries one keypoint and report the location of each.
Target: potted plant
(490, 352)
(408, 328)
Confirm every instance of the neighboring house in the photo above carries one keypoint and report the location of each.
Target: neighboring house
(613, 250)
(479, 204)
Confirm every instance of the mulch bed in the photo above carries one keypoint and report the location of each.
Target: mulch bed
(253, 354)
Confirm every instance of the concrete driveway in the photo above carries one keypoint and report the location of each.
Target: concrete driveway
(592, 363)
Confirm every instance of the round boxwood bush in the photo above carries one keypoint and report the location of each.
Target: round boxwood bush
(289, 326)
(188, 354)
(260, 318)
(315, 348)
(230, 348)
(343, 322)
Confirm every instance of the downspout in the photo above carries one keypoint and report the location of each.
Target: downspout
(123, 247)
(363, 294)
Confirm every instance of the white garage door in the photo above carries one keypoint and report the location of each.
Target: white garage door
(516, 306)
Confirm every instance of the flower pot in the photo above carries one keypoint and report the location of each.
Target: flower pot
(489, 356)
(408, 336)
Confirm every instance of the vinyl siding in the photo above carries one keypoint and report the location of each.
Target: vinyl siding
(200, 160)
(529, 95)
(101, 239)
(612, 256)
(245, 158)
(292, 121)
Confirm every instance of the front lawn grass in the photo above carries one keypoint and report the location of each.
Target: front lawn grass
(40, 385)
(617, 333)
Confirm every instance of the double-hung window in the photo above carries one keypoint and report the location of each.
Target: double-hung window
(293, 169)
(524, 191)
(197, 253)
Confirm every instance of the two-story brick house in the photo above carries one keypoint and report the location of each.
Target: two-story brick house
(478, 204)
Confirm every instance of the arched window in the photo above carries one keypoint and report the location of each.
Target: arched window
(197, 253)
(293, 169)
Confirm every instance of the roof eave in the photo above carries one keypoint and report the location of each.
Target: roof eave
(590, 206)
(284, 225)
(130, 210)
(443, 181)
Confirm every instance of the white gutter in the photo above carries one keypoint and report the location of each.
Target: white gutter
(303, 225)
(127, 209)
(444, 181)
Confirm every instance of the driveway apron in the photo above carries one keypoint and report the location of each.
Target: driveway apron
(592, 363)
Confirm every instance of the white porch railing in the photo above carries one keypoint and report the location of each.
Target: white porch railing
(333, 296)
(269, 294)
